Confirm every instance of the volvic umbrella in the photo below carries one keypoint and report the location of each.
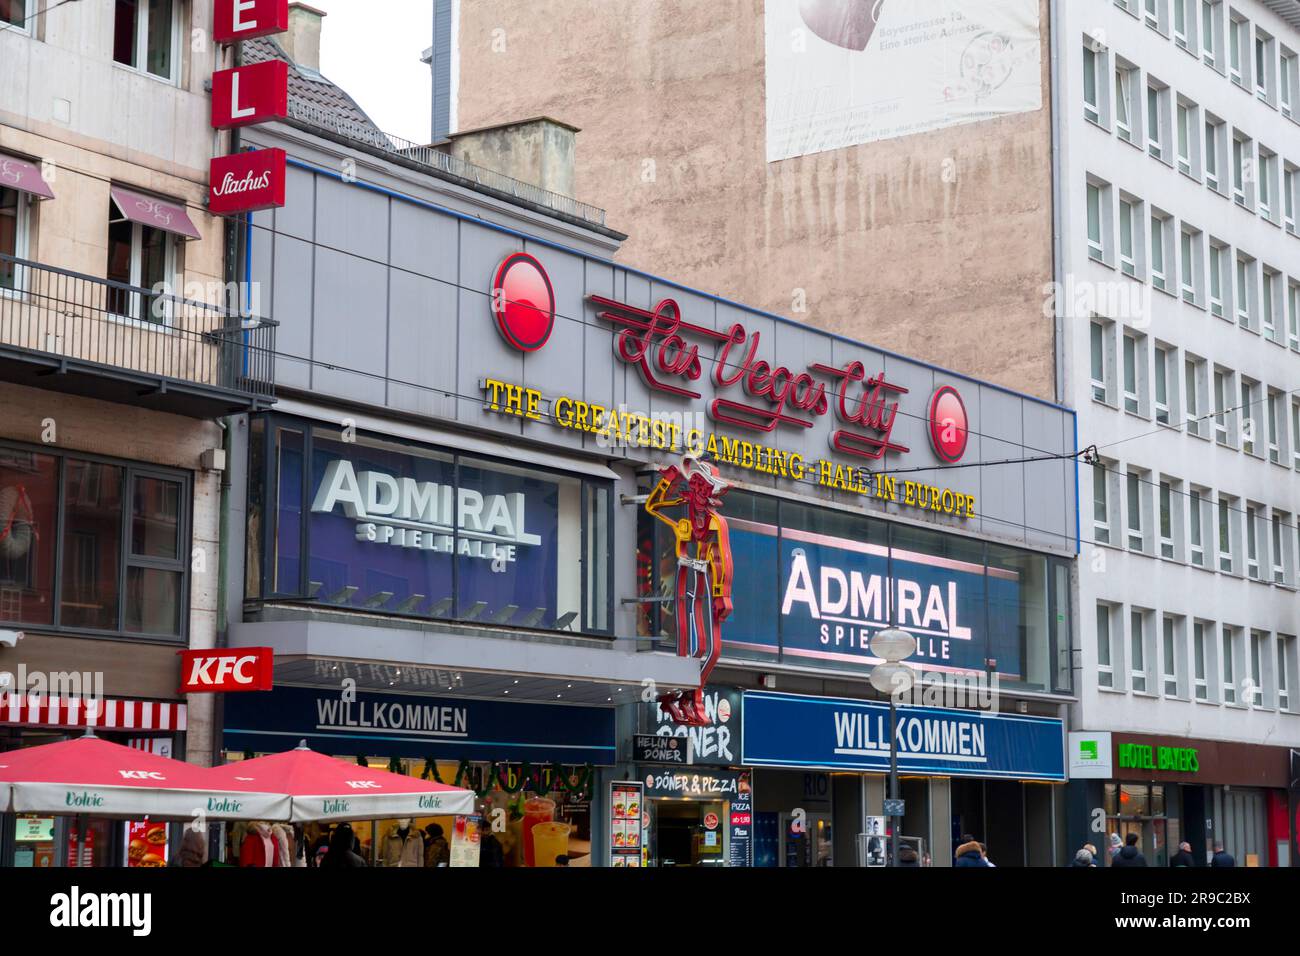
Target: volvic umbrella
(327, 788)
(92, 776)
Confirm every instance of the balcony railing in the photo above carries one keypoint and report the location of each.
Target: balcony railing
(61, 321)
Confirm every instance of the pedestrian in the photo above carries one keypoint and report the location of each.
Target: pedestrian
(970, 854)
(985, 851)
(1184, 856)
(1221, 856)
(1129, 856)
(437, 851)
(194, 849)
(1083, 859)
(1116, 844)
(491, 853)
(907, 856)
(340, 852)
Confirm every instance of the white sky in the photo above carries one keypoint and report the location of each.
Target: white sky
(375, 57)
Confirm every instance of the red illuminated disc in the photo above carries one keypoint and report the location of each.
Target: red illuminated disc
(523, 302)
(949, 426)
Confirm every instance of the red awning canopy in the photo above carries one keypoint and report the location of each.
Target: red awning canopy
(328, 788)
(152, 211)
(20, 174)
(92, 776)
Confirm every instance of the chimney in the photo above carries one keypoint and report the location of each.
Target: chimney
(302, 42)
(538, 151)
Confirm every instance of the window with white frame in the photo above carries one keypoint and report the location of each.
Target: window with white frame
(140, 256)
(1125, 108)
(1222, 401)
(1098, 197)
(1277, 543)
(1170, 656)
(1213, 153)
(1244, 287)
(1218, 256)
(1184, 22)
(1227, 662)
(1270, 302)
(1189, 255)
(1289, 198)
(1193, 388)
(1196, 522)
(1264, 65)
(1129, 214)
(1295, 434)
(1101, 514)
(1137, 651)
(1238, 48)
(1185, 120)
(1275, 426)
(1099, 338)
(1132, 382)
(1200, 668)
(15, 226)
(1249, 415)
(1211, 32)
(1243, 170)
(15, 14)
(146, 36)
(1266, 173)
(1293, 315)
(1225, 535)
(1105, 669)
(1287, 86)
(1166, 519)
(1136, 537)
(1157, 120)
(1252, 542)
(1163, 356)
(1094, 65)
(1257, 686)
(1285, 652)
(1160, 225)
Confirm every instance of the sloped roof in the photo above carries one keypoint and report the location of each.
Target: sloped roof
(312, 87)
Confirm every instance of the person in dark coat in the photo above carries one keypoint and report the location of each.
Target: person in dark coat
(1183, 857)
(1130, 855)
(970, 854)
(490, 852)
(1083, 859)
(340, 852)
(1221, 856)
(907, 856)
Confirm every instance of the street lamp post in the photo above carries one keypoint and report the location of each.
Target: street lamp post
(893, 646)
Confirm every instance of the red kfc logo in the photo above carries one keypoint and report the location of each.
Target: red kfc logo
(250, 94)
(245, 19)
(246, 182)
(241, 669)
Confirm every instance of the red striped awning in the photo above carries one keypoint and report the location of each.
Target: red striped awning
(36, 710)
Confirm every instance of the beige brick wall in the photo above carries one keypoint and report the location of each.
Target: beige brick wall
(120, 431)
(887, 251)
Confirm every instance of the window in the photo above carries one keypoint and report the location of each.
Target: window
(1295, 435)
(1189, 251)
(1275, 537)
(1096, 248)
(1137, 653)
(14, 224)
(1238, 36)
(1100, 504)
(1252, 542)
(1093, 65)
(1098, 362)
(1105, 671)
(1158, 266)
(139, 256)
(1266, 169)
(1288, 199)
(1151, 13)
(1156, 99)
(1293, 316)
(1193, 382)
(1286, 85)
(1162, 384)
(1181, 22)
(120, 552)
(1200, 672)
(1263, 66)
(1213, 144)
(1124, 106)
(1229, 672)
(1275, 426)
(1170, 658)
(1221, 401)
(1134, 485)
(1284, 645)
(1127, 214)
(1225, 536)
(1217, 255)
(145, 36)
(1166, 520)
(1185, 138)
(1245, 290)
(1240, 152)
(1211, 28)
(14, 13)
(1249, 411)
(1269, 303)
(1195, 510)
(1131, 399)
(1256, 669)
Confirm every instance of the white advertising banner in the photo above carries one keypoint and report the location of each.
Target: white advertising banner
(845, 72)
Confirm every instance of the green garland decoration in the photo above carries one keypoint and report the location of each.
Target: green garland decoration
(577, 783)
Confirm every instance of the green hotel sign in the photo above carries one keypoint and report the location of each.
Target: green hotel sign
(1147, 757)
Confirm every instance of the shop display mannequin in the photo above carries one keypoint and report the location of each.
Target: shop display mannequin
(404, 846)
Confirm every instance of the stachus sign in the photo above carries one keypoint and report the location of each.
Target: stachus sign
(424, 515)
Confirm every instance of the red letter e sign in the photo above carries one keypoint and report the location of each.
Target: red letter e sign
(210, 672)
(244, 19)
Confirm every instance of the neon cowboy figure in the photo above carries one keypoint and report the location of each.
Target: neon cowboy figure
(702, 595)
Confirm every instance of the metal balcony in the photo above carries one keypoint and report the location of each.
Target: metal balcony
(74, 333)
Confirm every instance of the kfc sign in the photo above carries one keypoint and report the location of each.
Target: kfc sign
(235, 20)
(246, 182)
(250, 94)
(209, 672)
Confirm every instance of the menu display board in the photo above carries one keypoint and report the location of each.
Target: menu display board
(466, 840)
(146, 844)
(741, 822)
(626, 800)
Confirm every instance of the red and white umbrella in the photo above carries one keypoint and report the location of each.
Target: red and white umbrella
(327, 788)
(93, 776)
